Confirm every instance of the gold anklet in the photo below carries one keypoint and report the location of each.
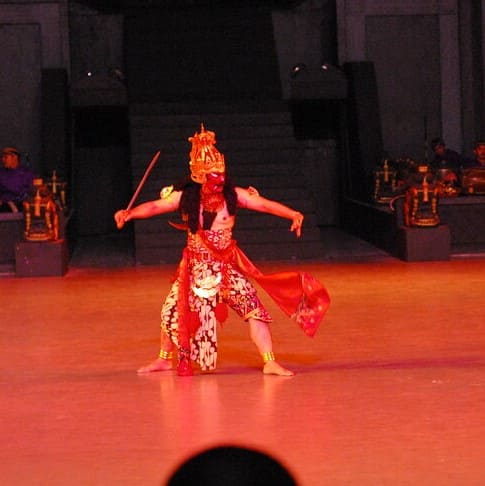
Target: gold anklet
(168, 355)
(269, 356)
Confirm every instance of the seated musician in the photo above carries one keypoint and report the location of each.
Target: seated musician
(16, 181)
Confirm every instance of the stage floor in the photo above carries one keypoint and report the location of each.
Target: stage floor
(390, 391)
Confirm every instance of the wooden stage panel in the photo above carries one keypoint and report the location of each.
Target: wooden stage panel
(466, 217)
(11, 232)
(390, 391)
(462, 221)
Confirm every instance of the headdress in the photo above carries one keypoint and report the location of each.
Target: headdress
(204, 157)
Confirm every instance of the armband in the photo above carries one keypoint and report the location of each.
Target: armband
(253, 191)
(166, 191)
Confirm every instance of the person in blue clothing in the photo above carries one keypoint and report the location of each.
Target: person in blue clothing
(16, 181)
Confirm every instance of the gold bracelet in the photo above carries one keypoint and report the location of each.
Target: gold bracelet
(165, 354)
(269, 356)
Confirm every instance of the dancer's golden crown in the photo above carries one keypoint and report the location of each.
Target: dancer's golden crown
(204, 157)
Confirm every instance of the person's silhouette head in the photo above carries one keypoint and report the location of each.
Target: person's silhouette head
(231, 466)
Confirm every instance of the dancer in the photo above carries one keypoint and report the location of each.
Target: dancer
(214, 272)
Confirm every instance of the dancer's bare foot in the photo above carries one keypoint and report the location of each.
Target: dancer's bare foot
(158, 365)
(273, 368)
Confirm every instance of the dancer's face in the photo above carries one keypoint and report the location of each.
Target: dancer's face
(215, 182)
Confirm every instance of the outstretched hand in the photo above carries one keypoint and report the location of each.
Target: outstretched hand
(121, 217)
(297, 223)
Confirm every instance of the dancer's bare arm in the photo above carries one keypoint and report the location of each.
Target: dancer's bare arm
(163, 205)
(250, 199)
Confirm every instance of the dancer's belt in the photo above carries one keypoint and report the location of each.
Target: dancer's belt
(201, 255)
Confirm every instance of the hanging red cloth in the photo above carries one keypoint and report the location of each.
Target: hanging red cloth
(299, 295)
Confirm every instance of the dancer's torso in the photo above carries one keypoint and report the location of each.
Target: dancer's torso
(223, 219)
